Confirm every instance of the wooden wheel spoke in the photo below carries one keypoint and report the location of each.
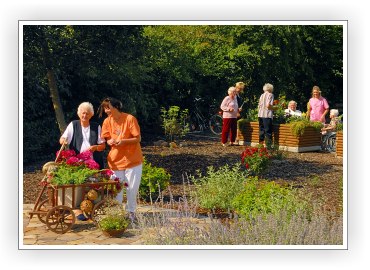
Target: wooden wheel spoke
(44, 207)
(60, 219)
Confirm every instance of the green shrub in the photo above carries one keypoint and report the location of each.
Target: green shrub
(218, 188)
(174, 122)
(262, 198)
(153, 179)
(298, 125)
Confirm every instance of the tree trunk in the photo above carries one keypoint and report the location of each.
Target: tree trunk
(54, 93)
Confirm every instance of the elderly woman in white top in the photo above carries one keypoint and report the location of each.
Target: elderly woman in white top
(230, 109)
(292, 109)
(265, 114)
(83, 135)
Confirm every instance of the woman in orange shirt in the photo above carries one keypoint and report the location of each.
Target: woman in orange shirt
(122, 133)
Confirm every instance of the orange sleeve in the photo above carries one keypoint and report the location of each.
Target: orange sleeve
(105, 130)
(134, 127)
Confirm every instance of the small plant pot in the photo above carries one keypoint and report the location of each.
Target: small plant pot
(114, 233)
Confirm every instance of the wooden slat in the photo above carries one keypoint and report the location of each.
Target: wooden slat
(282, 135)
(339, 146)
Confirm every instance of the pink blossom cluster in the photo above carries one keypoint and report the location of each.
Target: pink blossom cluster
(84, 158)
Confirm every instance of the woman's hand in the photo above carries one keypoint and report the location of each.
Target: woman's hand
(121, 142)
(111, 142)
(63, 141)
(93, 148)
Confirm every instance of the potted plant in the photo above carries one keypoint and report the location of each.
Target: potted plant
(111, 218)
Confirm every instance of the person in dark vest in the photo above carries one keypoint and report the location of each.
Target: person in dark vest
(83, 135)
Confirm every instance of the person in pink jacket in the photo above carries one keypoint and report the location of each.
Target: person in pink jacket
(230, 109)
(318, 106)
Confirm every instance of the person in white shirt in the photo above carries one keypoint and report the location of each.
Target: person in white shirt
(292, 109)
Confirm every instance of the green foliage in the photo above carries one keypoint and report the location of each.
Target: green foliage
(298, 126)
(263, 198)
(218, 188)
(111, 216)
(279, 110)
(315, 181)
(339, 126)
(174, 122)
(251, 115)
(113, 222)
(66, 174)
(153, 180)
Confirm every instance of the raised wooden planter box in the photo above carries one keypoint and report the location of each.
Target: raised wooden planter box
(339, 144)
(282, 136)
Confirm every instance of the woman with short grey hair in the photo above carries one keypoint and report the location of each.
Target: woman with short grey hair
(265, 114)
(292, 109)
(83, 135)
(230, 109)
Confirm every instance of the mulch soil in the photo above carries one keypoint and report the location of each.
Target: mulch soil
(317, 174)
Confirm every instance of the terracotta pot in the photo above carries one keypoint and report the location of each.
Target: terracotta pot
(113, 233)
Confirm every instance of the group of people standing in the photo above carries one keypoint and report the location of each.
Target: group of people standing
(317, 109)
(121, 132)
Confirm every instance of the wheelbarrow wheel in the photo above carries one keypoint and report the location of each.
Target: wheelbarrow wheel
(60, 219)
(43, 207)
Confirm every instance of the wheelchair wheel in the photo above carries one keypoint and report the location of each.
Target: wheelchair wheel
(331, 143)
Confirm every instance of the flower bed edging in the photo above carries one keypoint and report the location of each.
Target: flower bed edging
(248, 134)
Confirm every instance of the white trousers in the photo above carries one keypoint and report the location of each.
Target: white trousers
(133, 178)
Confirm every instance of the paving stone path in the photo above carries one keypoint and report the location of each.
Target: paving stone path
(82, 233)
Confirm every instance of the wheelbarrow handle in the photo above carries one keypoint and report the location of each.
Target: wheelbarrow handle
(60, 150)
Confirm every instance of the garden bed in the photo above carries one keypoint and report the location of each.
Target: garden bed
(317, 173)
(310, 140)
(339, 144)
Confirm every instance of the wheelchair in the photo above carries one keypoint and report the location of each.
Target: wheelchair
(328, 141)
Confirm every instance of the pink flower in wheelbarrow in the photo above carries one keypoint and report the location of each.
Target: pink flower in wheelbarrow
(107, 173)
(86, 155)
(73, 161)
(65, 154)
(91, 164)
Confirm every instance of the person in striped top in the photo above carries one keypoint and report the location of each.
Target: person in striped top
(265, 114)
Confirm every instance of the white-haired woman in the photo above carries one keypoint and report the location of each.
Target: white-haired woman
(265, 114)
(83, 135)
(292, 109)
(230, 109)
(334, 120)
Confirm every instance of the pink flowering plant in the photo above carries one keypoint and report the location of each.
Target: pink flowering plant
(255, 159)
(74, 169)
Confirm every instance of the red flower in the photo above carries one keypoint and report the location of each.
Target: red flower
(107, 173)
(91, 164)
(65, 154)
(86, 155)
(73, 161)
